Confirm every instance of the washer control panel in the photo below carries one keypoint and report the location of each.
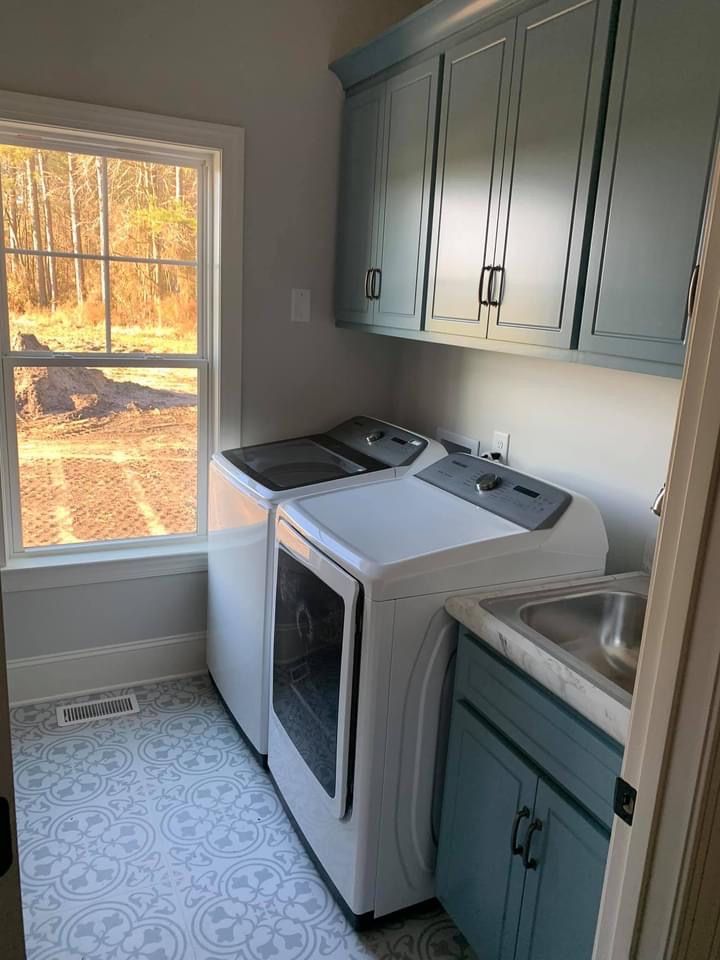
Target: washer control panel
(524, 500)
(390, 445)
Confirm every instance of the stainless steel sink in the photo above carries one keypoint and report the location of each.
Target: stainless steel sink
(601, 629)
(595, 627)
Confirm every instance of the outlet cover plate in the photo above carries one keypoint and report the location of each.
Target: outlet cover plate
(300, 306)
(501, 444)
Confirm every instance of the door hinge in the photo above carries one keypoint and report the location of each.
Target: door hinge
(625, 799)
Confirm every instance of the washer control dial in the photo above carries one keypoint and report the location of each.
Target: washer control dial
(374, 436)
(487, 481)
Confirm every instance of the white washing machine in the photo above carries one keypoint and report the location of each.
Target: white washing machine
(246, 486)
(363, 653)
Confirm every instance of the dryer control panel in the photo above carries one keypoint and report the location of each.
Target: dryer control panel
(524, 500)
(390, 445)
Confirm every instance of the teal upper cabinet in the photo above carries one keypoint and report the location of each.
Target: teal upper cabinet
(357, 209)
(518, 135)
(653, 179)
(405, 191)
(473, 122)
(556, 206)
(386, 180)
(555, 106)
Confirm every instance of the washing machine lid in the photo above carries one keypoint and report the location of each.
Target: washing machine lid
(361, 445)
(288, 464)
(394, 522)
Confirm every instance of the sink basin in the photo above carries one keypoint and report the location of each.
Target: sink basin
(596, 627)
(602, 629)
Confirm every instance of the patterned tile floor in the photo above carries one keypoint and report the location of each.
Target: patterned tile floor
(158, 837)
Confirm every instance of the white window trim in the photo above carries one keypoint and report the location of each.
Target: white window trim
(91, 566)
(102, 126)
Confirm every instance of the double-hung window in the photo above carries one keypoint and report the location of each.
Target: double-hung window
(107, 298)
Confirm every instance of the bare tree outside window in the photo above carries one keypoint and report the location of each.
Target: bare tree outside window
(100, 260)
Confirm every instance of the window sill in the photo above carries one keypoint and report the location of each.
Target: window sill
(103, 566)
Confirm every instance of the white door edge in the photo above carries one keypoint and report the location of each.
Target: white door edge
(626, 913)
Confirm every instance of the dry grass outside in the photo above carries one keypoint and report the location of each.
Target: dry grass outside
(82, 330)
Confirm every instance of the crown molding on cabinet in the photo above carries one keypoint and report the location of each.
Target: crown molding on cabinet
(431, 24)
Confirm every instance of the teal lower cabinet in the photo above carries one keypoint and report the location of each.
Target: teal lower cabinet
(520, 860)
(479, 880)
(562, 891)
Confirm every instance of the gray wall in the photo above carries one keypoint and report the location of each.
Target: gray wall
(604, 433)
(42, 622)
(260, 64)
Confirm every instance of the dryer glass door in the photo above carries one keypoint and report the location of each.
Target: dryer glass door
(314, 627)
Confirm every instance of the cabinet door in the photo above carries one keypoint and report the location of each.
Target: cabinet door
(473, 123)
(405, 190)
(357, 209)
(562, 894)
(653, 179)
(555, 102)
(479, 880)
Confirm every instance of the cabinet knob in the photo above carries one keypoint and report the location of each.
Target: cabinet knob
(482, 297)
(530, 863)
(494, 297)
(516, 848)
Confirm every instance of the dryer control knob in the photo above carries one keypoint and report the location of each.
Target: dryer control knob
(374, 436)
(488, 481)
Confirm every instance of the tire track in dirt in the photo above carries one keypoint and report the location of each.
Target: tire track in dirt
(61, 511)
(130, 475)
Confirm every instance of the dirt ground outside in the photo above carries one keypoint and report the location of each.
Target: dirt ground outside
(130, 474)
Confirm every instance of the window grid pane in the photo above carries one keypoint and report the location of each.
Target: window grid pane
(105, 453)
(75, 325)
(130, 223)
(111, 452)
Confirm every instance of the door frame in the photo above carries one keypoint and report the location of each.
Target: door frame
(11, 920)
(674, 704)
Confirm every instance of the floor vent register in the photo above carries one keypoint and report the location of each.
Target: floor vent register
(97, 710)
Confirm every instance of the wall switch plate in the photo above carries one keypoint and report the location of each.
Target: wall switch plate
(456, 442)
(300, 306)
(501, 445)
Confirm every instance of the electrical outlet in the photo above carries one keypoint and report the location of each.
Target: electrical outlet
(501, 445)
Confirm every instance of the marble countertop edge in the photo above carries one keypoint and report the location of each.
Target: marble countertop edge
(590, 700)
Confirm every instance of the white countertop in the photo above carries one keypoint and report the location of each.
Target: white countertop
(610, 711)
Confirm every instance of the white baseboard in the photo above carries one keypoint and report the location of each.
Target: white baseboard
(100, 668)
